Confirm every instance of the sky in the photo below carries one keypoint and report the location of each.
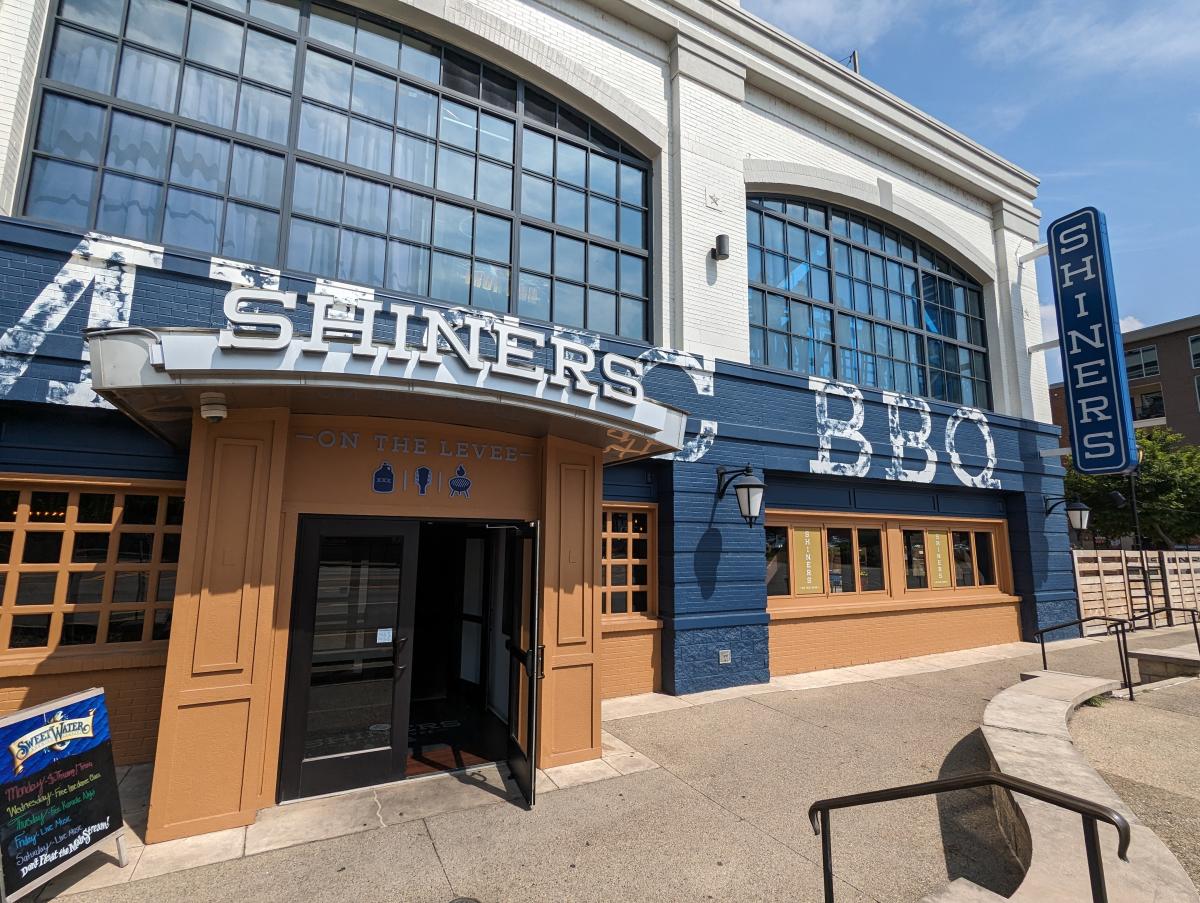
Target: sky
(1098, 99)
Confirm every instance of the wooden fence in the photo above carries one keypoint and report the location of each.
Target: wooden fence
(1116, 584)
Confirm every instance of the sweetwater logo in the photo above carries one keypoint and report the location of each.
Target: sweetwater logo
(57, 734)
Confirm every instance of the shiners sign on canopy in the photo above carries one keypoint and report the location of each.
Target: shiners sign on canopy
(1093, 356)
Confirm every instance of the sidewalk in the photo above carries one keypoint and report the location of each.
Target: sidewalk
(703, 797)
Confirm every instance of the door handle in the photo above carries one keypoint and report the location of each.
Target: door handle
(400, 669)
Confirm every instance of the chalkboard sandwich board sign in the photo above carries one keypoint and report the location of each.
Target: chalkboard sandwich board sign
(58, 786)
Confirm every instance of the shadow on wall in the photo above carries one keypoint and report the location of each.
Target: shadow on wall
(706, 556)
(972, 842)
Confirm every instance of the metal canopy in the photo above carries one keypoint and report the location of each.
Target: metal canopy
(156, 376)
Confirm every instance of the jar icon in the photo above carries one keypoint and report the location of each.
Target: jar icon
(384, 479)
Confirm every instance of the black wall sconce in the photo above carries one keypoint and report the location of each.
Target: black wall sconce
(1077, 512)
(747, 487)
(720, 251)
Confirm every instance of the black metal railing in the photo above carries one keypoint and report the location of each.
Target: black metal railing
(1119, 624)
(1092, 813)
(1170, 611)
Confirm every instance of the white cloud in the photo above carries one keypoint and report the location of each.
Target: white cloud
(1129, 323)
(1103, 37)
(836, 26)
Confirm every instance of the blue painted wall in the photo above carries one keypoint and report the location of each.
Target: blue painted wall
(712, 594)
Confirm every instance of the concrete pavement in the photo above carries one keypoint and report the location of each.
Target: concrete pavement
(713, 805)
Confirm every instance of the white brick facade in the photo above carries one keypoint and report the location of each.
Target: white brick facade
(721, 103)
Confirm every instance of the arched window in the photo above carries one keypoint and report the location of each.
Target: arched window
(331, 143)
(840, 295)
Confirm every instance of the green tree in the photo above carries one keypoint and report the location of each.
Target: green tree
(1168, 492)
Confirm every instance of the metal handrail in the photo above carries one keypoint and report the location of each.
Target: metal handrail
(1169, 610)
(818, 815)
(1121, 626)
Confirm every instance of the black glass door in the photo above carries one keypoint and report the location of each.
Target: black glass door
(350, 663)
(523, 609)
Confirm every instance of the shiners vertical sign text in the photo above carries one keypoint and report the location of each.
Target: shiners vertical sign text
(1093, 357)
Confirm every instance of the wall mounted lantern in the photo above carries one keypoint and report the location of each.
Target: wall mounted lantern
(1077, 512)
(720, 250)
(747, 487)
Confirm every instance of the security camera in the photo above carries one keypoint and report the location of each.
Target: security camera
(212, 406)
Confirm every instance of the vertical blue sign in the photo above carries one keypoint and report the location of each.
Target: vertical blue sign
(1093, 355)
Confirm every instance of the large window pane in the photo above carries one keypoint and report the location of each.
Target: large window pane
(453, 227)
(374, 95)
(533, 296)
(870, 559)
(493, 238)
(215, 41)
(536, 248)
(456, 172)
(361, 258)
(317, 192)
(633, 319)
(83, 59)
(264, 114)
(459, 125)
(964, 567)
(370, 146)
(568, 303)
(491, 286)
(312, 247)
(284, 13)
(450, 278)
(104, 15)
(256, 175)
(985, 559)
(416, 110)
(537, 197)
(129, 207)
(251, 234)
(412, 215)
(138, 145)
(332, 27)
(496, 137)
(408, 268)
(840, 551)
(414, 159)
(70, 128)
(569, 207)
(421, 59)
(365, 205)
(601, 311)
(322, 131)
(778, 576)
(157, 23)
(192, 220)
(327, 79)
(495, 184)
(208, 97)
(199, 161)
(537, 152)
(378, 42)
(269, 59)
(60, 192)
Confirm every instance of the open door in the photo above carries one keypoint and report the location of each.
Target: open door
(523, 607)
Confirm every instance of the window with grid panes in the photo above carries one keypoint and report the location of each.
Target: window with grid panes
(335, 144)
(628, 584)
(837, 294)
(1142, 362)
(87, 566)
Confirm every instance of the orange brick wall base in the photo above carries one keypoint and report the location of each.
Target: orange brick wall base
(629, 663)
(134, 701)
(812, 643)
